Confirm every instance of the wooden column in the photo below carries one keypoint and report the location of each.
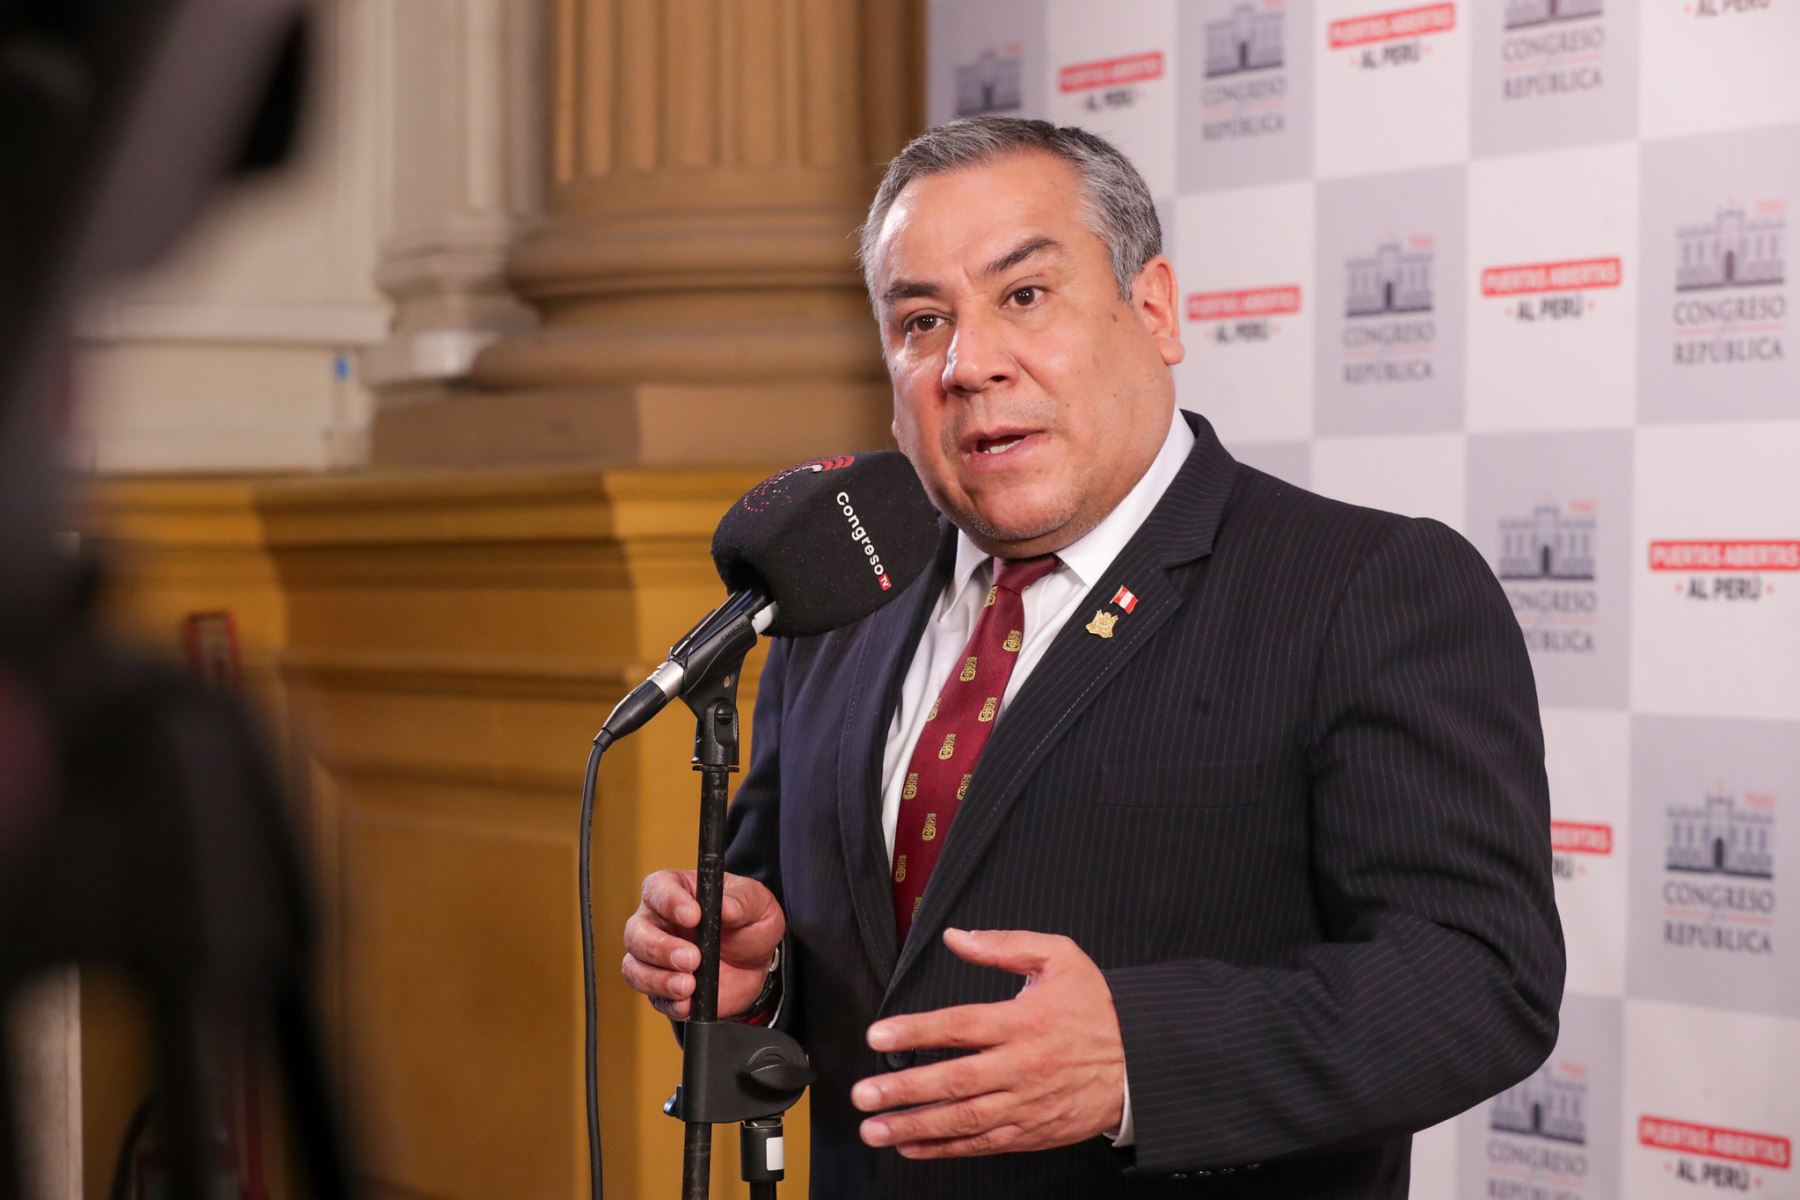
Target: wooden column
(695, 273)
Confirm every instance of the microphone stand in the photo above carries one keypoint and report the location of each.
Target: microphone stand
(729, 1071)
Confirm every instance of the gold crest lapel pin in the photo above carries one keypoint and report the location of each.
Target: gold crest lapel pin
(1104, 622)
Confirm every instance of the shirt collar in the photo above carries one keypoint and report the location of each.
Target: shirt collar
(1088, 556)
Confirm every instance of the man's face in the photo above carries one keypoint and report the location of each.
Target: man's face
(1028, 395)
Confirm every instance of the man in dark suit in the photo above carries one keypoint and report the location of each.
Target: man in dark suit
(1247, 785)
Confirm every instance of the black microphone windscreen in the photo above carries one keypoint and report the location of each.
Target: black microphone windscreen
(830, 540)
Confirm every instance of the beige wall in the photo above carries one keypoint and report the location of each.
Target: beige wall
(372, 266)
(225, 357)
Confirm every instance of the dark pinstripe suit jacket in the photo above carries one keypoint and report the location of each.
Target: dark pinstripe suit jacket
(1295, 809)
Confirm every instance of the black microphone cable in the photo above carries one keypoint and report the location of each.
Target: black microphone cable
(590, 999)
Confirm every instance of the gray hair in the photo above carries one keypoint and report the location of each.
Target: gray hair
(1117, 203)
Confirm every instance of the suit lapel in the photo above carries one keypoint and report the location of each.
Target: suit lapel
(1075, 670)
(884, 651)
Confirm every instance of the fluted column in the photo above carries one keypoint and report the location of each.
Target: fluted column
(695, 276)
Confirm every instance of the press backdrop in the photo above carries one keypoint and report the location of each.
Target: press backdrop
(1522, 266)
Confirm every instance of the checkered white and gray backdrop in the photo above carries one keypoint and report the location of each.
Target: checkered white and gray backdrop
(1521, 265)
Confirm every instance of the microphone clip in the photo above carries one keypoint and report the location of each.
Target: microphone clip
(712, 695)
(716, 646)
(729, 629)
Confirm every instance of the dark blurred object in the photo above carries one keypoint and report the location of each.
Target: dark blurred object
(167, 856)
(119, 120)
(140, 821)
(234, 1059)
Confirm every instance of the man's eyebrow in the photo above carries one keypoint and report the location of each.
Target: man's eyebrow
(1021, 252)
(910, 289)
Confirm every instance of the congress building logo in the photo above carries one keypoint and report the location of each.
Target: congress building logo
(1731, 250)
(1720, 838)
(1552, 48)
(1547, 566)
(1537, 1135)
(1553, 73)
(1249, 39)
(1388, 343)
(1730, 302)
(1709, 868)
(1716, 279)
(1388, 329)
(1245, 93)
(1391, 280)
(1521, 14)
(1548, 1106)
(1711, 569)
(1552, 1136)
(1548, 544)
(1555, 1134)
(992, 83)
(1719, 870)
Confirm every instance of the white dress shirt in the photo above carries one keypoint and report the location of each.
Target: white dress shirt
(1049, 603)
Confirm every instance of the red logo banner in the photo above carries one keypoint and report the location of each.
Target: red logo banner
(1703, 555)
(1252, 302)
(1575, 275)
(1735, 1145)
(1573, 837)
(1388, 26)
(1111, 72)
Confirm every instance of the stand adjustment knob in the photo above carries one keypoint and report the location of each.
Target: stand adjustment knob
(776, 1072)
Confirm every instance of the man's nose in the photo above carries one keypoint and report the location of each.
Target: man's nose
(978, 357)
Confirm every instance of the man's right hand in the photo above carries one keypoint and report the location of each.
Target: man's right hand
(660, 954)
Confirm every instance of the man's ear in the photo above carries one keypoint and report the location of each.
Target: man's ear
(1156, 301)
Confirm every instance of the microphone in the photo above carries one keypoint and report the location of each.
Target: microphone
(809, 549)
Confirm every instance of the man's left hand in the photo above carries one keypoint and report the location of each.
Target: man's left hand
(1049, 1068)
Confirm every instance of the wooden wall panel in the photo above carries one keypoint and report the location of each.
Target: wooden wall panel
(444, 649)
(456, 975)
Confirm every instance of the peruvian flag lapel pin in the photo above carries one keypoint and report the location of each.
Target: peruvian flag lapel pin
(1125, 598)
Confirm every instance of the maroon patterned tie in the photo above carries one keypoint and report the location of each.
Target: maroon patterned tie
(943, 761)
